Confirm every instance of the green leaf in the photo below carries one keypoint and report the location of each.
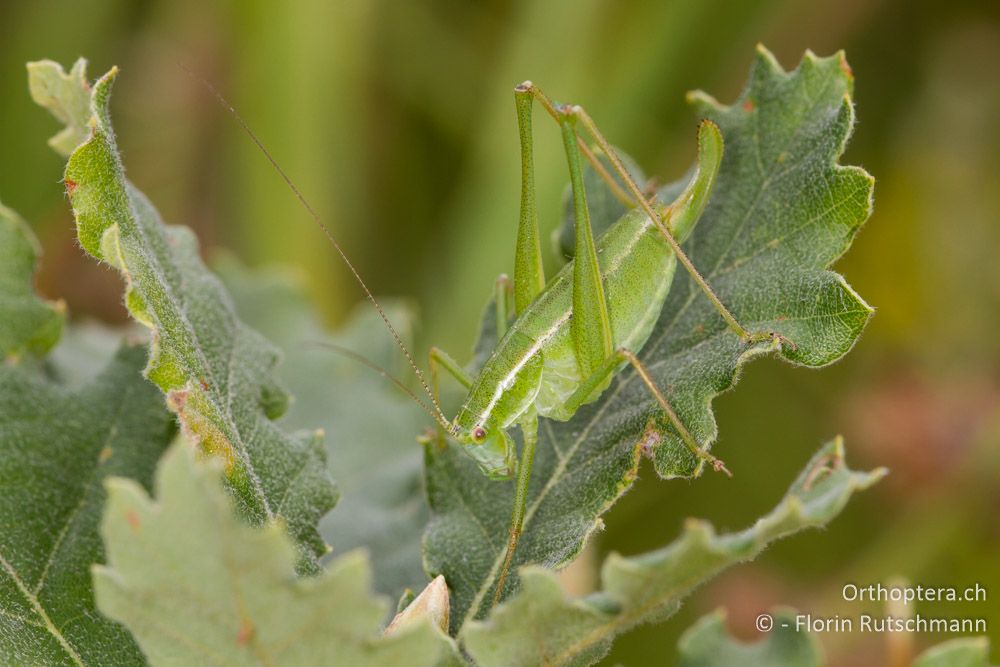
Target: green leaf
(57, 444)
(706, 644)
(197, 586)
(56, 447)
(29, 324)
(540, 624)
(215, 371)
(370, 425)
(67, 96)
(963, 652)
(782, 210)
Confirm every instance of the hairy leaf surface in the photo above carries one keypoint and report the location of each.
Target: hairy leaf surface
(216, 372)
(57, 444)
(197, 586)
(781, 212)
(369, 424)
(541, 625)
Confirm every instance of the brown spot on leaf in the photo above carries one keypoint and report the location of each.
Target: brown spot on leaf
(204, 385)
(651, 438)
(177, 399)
(70, 186)
(132, 519)
(748, 105)
(105, 454)
(246, 632)
(845, 67)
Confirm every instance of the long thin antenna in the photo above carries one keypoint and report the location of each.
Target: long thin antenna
(440, 418)
(361, 359)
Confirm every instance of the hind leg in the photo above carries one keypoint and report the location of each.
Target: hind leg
(581, 395)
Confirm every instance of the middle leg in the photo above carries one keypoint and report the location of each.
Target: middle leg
(529, 430)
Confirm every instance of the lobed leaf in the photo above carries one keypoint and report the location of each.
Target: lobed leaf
(67, 96)
(216, 372)
(197, 586)
(29, 324)
(782, 210)
(57, 444)
(541, 625)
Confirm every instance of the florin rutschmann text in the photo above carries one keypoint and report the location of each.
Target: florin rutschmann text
(888, 623)
(898, 616)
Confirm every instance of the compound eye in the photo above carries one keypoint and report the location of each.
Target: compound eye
(479, 434)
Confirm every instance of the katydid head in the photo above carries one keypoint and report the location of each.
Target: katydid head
(490, 447)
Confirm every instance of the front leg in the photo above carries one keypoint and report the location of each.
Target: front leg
(438, 360)
(529, 431)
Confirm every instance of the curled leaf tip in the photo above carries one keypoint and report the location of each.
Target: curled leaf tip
(432, 604)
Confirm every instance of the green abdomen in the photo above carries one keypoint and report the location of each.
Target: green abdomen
(637, 266)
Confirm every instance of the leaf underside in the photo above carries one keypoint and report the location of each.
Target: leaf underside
(216, 372)
(781, 212)
(197, 586)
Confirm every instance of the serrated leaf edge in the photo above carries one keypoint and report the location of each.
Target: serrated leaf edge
(697, 533)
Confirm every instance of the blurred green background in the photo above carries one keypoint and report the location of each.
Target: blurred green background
(396, 119)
